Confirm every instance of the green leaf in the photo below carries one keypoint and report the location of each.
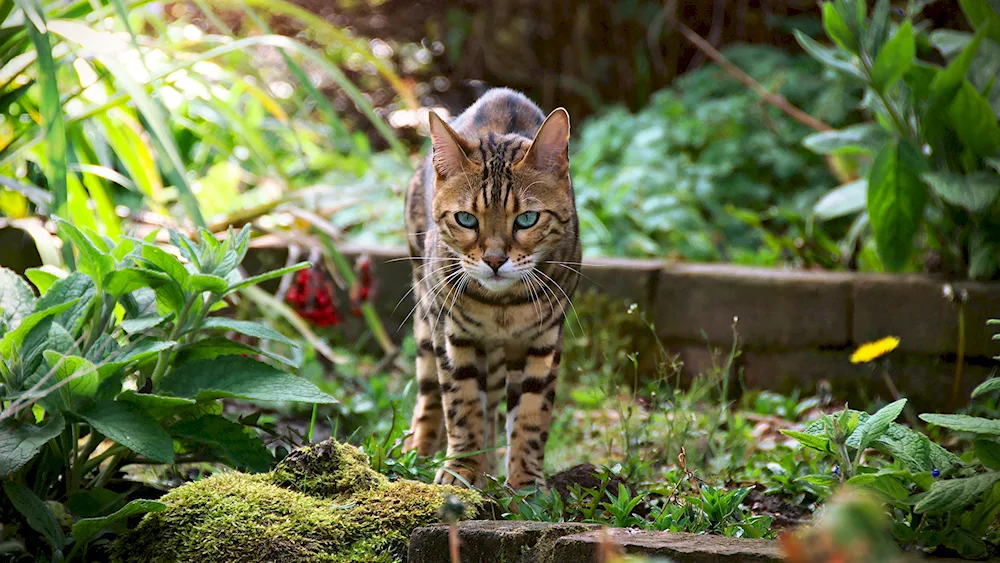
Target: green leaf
(198, 283)
(44, 276)
(964, 423)
(947, 82)
(955, 494)
(120, 282)
(20, 442)
(81, 373)
(988, 386)
(975, 192)
(877, 424)
(140, 351)
(896, 201)
(16, 297)
(93, 262)
(38, 515)
(820, 443)
(239, 445)
(863, 137)
(15, 338)
(982, 16)
(974, 121)
(131, 427)
(87, 528)
(895, 58)
(167, 263)
(208, 348)
(245, 327)
(846, 199)
(239, 378)
(158, 406)
(136, 326)
(837, 29)
(833, 58)
(267, 276)
(988, 452)
(78, 288)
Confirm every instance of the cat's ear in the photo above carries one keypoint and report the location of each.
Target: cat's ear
(550, 148)
(450, 149)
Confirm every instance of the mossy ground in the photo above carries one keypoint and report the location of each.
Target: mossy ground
(322, 504)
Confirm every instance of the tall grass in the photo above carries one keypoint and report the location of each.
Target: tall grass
(114, 112)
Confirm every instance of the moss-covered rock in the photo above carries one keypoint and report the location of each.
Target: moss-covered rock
(323, 503)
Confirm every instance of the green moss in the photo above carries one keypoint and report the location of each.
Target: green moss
(322, 504)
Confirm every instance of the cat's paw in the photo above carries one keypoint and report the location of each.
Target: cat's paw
(519, 481)
(458, 476)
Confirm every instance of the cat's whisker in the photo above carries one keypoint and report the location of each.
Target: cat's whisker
(428, 297)
(528, 283)
(430, 259)
(413, 287)
(568, 300)
(578, 272)
(458, 289)
(552, 308)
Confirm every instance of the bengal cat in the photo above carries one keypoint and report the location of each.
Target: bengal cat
(493, 235)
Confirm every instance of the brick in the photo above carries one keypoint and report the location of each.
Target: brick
(778, 309)
(676, 546)
(622, 279)
(914, 309)
(491, 541)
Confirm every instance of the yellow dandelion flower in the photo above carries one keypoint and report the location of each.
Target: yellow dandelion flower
(872, 350)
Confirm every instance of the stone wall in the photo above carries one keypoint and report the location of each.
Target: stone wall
(795, 328)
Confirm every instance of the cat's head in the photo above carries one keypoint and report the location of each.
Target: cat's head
(502, 203)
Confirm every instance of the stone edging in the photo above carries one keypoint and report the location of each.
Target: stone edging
(795, 327)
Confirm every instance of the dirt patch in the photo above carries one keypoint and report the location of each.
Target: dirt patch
(786, 514)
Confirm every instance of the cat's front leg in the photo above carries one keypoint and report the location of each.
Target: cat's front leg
(530, 399)
(462, 375)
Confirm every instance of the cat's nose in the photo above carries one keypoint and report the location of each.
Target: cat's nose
(495, 262)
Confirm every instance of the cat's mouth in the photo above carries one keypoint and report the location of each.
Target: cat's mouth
(496, 282)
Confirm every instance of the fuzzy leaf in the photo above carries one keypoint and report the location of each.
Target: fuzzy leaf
(987, 386)
(76, 287)
(239, 378)
(120, 282)
(38, 515)
(988, 452)
(198, 283)
(258, 279)
(87, 528)
(955, 494)
(135, 326)
(16, 297)
(833, 58)
(863, 137)
(964, 423)
(820, 443)
(877, 424)
(131, 427)
(239, 445)
(846, 199)
(248, 328)
(896, 201)
(20, 442)
(975, 192)
(895, 58)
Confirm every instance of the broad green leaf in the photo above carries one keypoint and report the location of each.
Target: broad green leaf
(92, 261)
(254, 280)
(120, 282)
(913, 450)
(895, 58)
(948, 81)
(964, 423)
(878, 424)
(988, 452)
(16, 297)
(167, 263)
(208, 348)
(140, 351)
(833, 58)
(87, 528)
(77, 288)
(20, 442)
(974, 121)
(863, 137)
(38, 515)
(896, 201)
(81, 373)
(237, 377)
(131, 427)
(955, 494)
(820, 443)
(837, 29)
(988, 386)
(94, 502)
(44, 276)
(846, 199)
(974, 192)
(158, 406)
(239, 445)
(245, 327)
(949, 41)
(198, 283)
(983, 16)
(15, 338)
(899, 438)
(135, 326)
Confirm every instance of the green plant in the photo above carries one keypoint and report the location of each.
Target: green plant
(707, 172)
(934, 136)
(121, 363)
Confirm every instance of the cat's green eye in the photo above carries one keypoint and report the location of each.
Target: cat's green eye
(526, 219)
(467, 220)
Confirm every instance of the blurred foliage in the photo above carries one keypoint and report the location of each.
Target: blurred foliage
(709, 172)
